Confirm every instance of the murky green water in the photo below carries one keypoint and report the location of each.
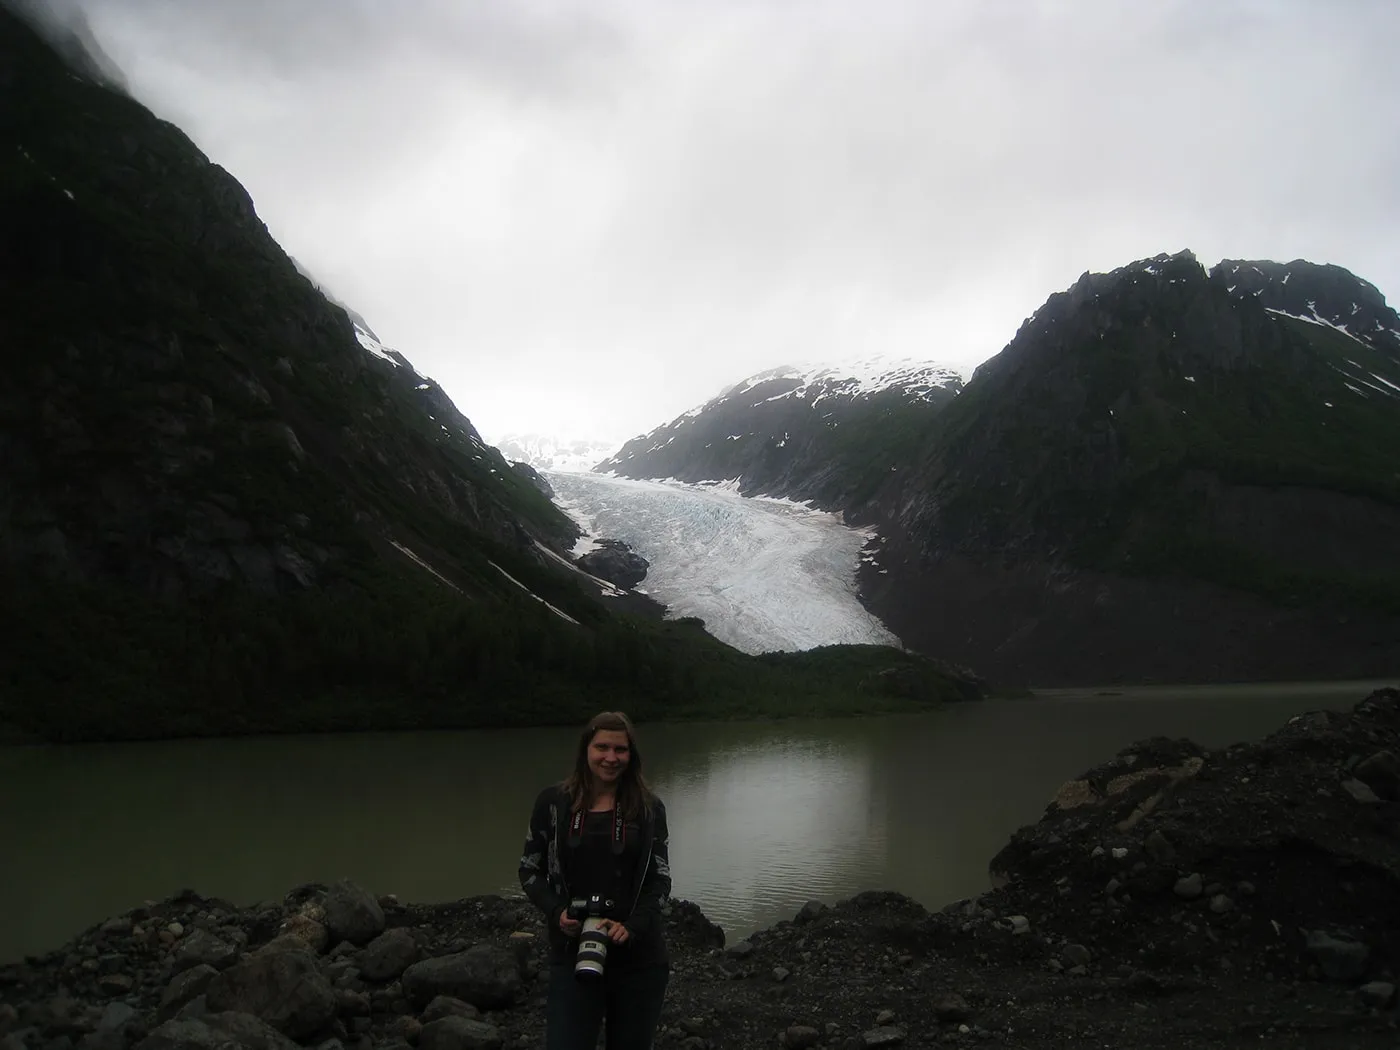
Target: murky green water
(764, 816)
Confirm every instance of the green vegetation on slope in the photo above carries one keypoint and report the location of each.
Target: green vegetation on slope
(1106, 442)
(100, 664)
(207, 477)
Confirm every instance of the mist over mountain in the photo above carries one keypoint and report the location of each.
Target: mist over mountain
(1167, 475)
(550, 453)
(360, 323)
(65, 26)
(225, 506)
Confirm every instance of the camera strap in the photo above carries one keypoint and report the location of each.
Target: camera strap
(619, 829)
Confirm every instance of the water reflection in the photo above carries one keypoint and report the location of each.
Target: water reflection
(774, 817)
(764, 816)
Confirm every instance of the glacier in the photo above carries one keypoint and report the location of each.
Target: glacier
(764, 574)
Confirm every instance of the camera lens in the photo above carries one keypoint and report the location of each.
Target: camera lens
(592, 949)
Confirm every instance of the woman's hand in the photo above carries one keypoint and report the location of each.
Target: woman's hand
(616, 932)
(568, 925)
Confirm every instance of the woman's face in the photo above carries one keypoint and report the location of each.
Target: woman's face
(608, 755)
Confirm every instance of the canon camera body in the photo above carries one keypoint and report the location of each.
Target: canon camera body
(593, 941)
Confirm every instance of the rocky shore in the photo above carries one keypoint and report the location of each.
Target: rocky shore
(1169, 898)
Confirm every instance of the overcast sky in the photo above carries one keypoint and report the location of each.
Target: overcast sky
(584, 218)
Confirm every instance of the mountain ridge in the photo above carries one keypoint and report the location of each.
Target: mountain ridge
(225, 508)
(1158, 447)
(796, 431)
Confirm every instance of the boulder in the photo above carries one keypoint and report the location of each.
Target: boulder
(187, 985)
(306, 928)
(486, 976)
(285, 989)
(1341, 957)
(353, 913)
(459, 1033)
(387, 956)
(217, 1032)
(446, 1006)
(1381, 773)
(202, 948)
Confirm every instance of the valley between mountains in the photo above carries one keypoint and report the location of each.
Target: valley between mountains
(229, 508)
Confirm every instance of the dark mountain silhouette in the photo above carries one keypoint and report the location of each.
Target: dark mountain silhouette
(223, 508)
(1167, 475)
(811, 433)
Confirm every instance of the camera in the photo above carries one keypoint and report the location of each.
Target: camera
(592, 941)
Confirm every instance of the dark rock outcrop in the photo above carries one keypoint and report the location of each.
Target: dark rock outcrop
(615, 562)
(1328, 294)
(534, 477)
(1157, 480)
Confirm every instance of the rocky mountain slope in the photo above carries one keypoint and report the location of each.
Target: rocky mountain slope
(223, 507)
(1168, 474)
(809, 432)
(1168, 898)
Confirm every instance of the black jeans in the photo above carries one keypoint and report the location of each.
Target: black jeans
(628, 999)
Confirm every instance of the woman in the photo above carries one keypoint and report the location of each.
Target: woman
(602, 834)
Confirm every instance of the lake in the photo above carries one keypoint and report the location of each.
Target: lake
(764, 815)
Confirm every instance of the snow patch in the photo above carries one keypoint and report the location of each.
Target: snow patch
(547, 452)
(374, 346)
(610, 589)
(860, 378)
(1315, 318)
(1389, 389)
(532, 594)
(1383, 379)
(425, 565)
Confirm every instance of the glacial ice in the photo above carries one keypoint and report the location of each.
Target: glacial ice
(764, 574)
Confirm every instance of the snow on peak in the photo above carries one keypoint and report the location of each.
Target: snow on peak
(559, 454)
(374, 346)
(860, 378)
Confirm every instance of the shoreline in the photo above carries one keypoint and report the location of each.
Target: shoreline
(12, 737)
(1168, 897)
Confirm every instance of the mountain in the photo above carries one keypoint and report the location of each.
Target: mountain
(361, 325)
(810, 432)
(1326, 295)
(224, 508)
(568, 455)
(1166, 475)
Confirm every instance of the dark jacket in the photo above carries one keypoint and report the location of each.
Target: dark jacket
(542, 872)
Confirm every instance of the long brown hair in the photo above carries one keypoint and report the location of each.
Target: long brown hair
(633, 794)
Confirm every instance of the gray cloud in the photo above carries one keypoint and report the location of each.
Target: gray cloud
(589, 217)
